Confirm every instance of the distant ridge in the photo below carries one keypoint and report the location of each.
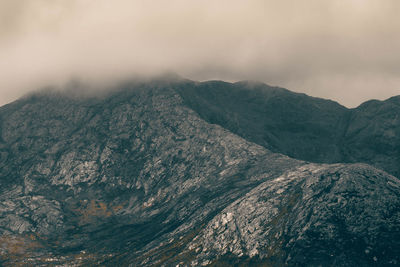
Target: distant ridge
(300, 126)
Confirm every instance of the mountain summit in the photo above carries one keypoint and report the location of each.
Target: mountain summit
(173, 172)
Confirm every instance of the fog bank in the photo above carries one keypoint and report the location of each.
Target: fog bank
(346, 50)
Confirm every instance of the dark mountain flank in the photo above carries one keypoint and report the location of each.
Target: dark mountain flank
(300, 126)
(173, 172)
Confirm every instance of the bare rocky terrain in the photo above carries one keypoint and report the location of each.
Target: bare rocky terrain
(180, 173)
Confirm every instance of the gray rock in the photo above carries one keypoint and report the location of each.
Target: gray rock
(136, 177)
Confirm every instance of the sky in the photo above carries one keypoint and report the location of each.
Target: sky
(345, 50)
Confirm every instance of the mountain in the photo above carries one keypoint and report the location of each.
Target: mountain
(300, 126)
(158, 173)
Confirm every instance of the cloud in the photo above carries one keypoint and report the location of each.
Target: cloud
(343, 49)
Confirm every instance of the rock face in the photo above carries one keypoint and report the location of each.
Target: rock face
(137, 177)
(312, 215)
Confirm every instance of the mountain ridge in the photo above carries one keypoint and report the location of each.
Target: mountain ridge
(137, 178)
(295, 124)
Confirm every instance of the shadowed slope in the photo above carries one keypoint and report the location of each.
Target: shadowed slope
(301, 126)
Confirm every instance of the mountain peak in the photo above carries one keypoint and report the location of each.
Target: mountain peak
(196, 174)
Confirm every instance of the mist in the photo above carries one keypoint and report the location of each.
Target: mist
(345, 50)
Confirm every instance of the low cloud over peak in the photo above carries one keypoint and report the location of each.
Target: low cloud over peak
(345, 50)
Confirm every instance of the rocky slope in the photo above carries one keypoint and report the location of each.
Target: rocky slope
(313, 215)
(136, 177)
(301, 126)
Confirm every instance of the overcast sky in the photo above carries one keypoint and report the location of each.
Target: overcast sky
(346, 50)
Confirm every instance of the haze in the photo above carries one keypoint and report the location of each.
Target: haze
(346, 50)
